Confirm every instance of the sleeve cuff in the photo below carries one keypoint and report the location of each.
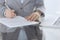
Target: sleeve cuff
(41, 10)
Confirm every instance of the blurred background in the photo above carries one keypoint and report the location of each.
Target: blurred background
(52, 6)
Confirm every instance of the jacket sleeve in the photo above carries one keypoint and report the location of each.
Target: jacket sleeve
(40, 6)
(2, 8)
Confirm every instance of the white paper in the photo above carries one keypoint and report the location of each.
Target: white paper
(18, 21)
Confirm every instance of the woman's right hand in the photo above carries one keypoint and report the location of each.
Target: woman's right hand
(9, 13)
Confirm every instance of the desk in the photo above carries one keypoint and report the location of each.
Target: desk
(50, 32)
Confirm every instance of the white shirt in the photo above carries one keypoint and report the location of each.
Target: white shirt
(22, 1)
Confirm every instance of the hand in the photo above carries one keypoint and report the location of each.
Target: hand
(33, 17)
(9, 13)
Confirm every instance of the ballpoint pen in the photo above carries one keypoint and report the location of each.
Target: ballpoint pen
(7, 5)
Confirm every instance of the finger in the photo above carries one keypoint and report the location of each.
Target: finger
(33, 16)
(36, 18)
(13, 14)
(29, 18)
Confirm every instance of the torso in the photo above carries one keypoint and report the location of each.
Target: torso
(22, 8)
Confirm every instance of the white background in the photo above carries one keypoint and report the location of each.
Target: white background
(52, 7)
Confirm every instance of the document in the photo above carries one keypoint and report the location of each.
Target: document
(17, 21)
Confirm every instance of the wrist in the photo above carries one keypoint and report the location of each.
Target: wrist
(38, 11)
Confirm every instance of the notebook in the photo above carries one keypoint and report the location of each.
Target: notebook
(17, 21)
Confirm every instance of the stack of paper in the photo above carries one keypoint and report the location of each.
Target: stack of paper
(18, 21)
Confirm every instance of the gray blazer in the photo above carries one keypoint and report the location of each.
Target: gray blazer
(24, 9)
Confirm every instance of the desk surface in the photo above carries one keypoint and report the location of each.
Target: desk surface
(50, 32)
(49, 20)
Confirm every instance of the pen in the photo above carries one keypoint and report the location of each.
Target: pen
(7, 5)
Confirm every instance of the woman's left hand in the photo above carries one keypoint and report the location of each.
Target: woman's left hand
(33, 17)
